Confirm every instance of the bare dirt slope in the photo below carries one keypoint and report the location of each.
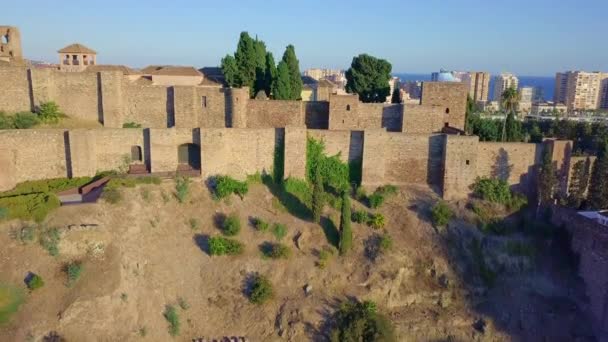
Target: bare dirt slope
(144, 254)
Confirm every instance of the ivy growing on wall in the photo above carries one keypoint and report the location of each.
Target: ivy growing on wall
(334, 172)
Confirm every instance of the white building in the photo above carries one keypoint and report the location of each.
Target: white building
(504, 81)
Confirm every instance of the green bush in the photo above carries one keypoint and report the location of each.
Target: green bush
(279, 231)
(380, 195)
(376, 221)
(49, 112)
(219, 245)
(46, 185)
(225, 186)
(360, 216)
(356, 321)
(182, 188)
(35, 282)
(346, 233)
(441, 214)
(317, 197)
(131, 124)
(334, 172)
(261, 290)
(6, 121)
(25, 120)
(255, 178)
(172, 317)
(275, 251)
(260, 225)
(493, 190)
(299, 189)
(231, 225)
(49, 240)
(11, 299)
(73, 271)
(34, 206)
(324, 256)
(386, 242)
(360, 194)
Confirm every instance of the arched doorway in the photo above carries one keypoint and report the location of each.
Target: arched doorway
(189, 155)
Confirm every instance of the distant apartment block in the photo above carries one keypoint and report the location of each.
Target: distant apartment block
(548, 108)
(479, 85)
(504, 81)
(581, 90)
(527, 97)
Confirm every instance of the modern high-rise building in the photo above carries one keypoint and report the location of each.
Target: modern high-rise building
(528, 96)
(504, 81)
(479, 85)
(581, 90)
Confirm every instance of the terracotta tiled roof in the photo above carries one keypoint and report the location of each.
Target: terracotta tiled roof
(76, 48)
(106, 67)
(169, 70)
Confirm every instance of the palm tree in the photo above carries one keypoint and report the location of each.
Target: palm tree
(508, 103)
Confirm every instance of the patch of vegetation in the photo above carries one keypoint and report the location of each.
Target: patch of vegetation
(49, 240)
(231, 225)
(379, 196)
(255, 178)
(333, 171)
(261, 290)
(131, 124)
(441, 214)
(360, 216)
(111, 192)
(46, 186)
(3, 213)
(182, 188)
(225, 186)
(219, 245)
(21, 120)
(489, 219)
(376, 221)
(195, 224)
(34, 282)
(360, 321)
(325, 256)
(145, 194)
(111, 195)
(260, 224)
(385, 242)
(183, 303)
(275, 250)
(35, 206)
(11, 299)
(143, 331)
(73, 271)
(498, 191)
(172, 317)
(520, 248)
(346, 233)
(292, 195)
(279, 231)
(26, 234)
(360, 194)
(49, 112)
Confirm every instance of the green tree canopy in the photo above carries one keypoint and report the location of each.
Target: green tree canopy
(598, 185)
(368, 76)
(295, 80)
(271, 73)
(281, 87)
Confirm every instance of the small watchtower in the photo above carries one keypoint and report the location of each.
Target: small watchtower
(76, 57)
(10, 44)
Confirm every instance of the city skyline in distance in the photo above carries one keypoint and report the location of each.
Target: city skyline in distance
(415, 37)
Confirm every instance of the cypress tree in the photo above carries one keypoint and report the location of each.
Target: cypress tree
(246, 61)
(295, 80)
(317, 196)
(513, 128)
(271, 73)
(598, 186)
(230, 71)
(260, 67)
(346, 233)
(547, 179)
(579, 183)
(281, 88)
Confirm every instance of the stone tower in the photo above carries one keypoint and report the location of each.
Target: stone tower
(10, 44)
(239, 98)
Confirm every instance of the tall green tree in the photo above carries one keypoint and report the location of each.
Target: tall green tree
(346, 233)
(259, 83)
(230, 71)
(247, 68)
(295, 80)
(368, 77)
(508, 102)
(317, 196)
(547, 178)
(598, 185)
(281, 87)
(579, 183)
(512, 128)
(271, 73)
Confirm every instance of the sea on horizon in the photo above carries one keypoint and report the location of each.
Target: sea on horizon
(546, 83)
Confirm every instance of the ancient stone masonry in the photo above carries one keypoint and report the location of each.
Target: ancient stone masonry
(10, 45)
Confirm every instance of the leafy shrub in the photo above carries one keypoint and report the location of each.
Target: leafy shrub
(360, 194)
(279, 231)
(376, 221)
(219, 245)
(34, 206)
(260, 225)
(49, 112)
(73, 271)
(360, 216)
(35, 282)
(346, 233)
(182, 188)
(324, 256)
(11, 299)
(375, 200)
(493, 190)
(131, 124)
(386, 242)
(172, 317)
(23, 120)
(49, 240)
(380, 195)
(231, 225)
(225, 186)
(356, 321)
(275, 250)
(46, 185)
(6, 121)
(261, 290)
(299, 189)
(334, 172)
(441, 214)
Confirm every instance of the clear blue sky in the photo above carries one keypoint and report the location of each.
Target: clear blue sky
(533, 37)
